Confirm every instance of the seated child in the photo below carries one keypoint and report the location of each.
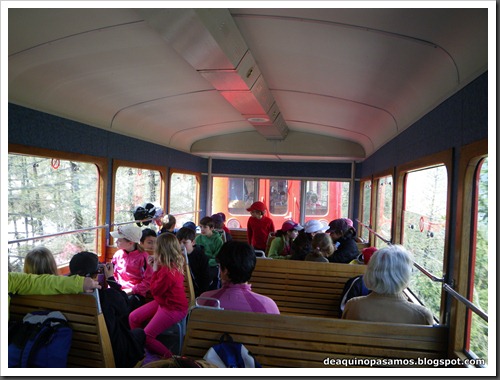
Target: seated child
(212, 243)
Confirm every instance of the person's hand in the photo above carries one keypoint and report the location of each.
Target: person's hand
(89, 285)
(109, 269)
(151, 260)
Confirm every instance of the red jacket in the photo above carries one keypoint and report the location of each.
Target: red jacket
(167, 288)
(258, 231)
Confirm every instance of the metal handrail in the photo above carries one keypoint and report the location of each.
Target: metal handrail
(465, 301)
(91, 228)
(427, 273)
(374, 232)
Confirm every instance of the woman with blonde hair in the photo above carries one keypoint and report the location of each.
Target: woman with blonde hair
(169, 304)
(40, 260)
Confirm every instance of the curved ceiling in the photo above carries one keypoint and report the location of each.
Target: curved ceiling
(274, 84)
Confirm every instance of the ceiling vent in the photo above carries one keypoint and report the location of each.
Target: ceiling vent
(212, 43)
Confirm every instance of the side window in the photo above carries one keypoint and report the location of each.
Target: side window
(135, 187)
(477, 328)
(383, 220)
(184, 201)
(48, 196)
(366, 197)
(424, 221)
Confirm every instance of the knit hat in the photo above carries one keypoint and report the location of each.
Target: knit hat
(314, 226)
(129, 232)
(257, 206)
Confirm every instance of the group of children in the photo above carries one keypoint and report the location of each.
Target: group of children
(137, 274)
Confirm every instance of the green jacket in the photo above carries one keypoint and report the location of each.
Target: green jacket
(44, 284)
(212, 245)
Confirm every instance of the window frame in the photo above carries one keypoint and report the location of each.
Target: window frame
(102, 185)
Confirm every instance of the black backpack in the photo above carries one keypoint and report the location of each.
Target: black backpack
(41, 340)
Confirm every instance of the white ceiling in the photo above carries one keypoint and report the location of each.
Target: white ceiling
(343, 82)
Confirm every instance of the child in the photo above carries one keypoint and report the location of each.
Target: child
(198, 261)
(148, 240)
(212, 243)
(131, 268)
(168, 224)
(170, 304)
(323, 248)
(281, 245)
(223, 226)
(40, 261)
(259, 226)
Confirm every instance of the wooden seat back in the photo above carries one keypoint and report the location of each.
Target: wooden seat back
(294, 341)
(303, 287)
(239, 235)
(91, 346)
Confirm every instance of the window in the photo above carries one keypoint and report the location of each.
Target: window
(279, 196)
(383, 222)
(135, 187)
(184, 188)
(366, 196)
(47, 196)
(477, 329)
(424, 221)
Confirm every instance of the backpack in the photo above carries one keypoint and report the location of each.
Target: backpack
(354, 287)
(229, 354)
(41, 340)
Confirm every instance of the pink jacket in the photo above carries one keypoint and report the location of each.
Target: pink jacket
(132, 271)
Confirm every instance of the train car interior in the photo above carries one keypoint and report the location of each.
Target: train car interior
(382, 113)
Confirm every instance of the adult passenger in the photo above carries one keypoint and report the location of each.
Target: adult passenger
(237, 261)
(387, 275)
(344, 238)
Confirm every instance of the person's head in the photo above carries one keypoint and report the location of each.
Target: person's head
(127, 237)
(290, 229)
(389, 270)
(186, 237)
(168, 222)
(237, 261)
(85, 264)
(338, 228)
(223, 216)
(168, 252)
(148, 239)
(323, 243)
(207, 226)
(367, 253)
(257, 209)
(314, 226)
(40, 261)
(218, 222)
(190, 225)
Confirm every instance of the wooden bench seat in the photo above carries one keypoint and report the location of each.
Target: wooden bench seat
(295, 341)
(91, 346)
(303, 287)
(239, 235)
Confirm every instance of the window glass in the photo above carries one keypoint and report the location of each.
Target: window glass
(424, 218)
(326, 200)
(184, 197)
(278, 196)
(478, 342)
(384, 210)
(48, 196)
(135, 187)
(366, 196)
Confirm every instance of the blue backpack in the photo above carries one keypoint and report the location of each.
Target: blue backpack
(41, 340)
(229, 354)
